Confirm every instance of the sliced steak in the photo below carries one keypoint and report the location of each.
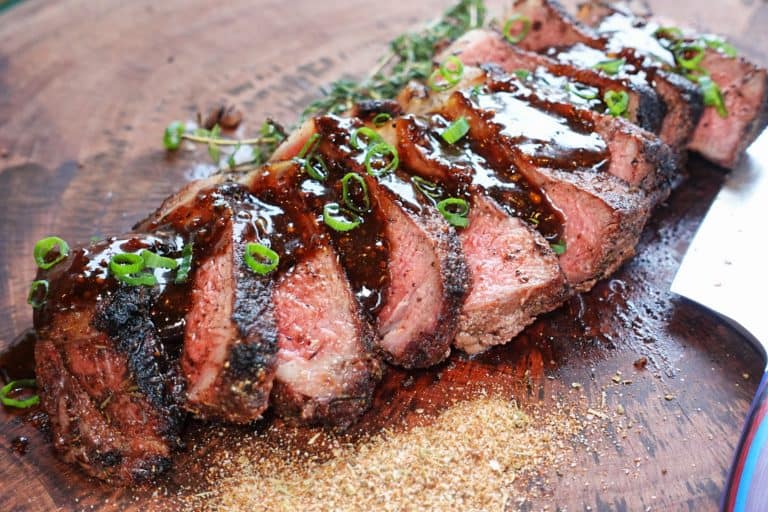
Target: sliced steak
(580, 86)
(326, 371)
(403, 261)
(555, 33)
(109, 383)
(603, 217)
(722, 135)
(514, 275)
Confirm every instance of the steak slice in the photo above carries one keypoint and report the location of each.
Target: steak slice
(109, 385)
(721, 137)
(558, 35)
(326, 372)
(514, 275)
(479, 47)
(404, 262)
(603, 217)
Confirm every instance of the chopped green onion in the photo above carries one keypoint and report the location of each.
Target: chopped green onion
(672, 33)
(429, 189)
(351, 176)
(338, 219)
(43, 249)
(689, 56)
(269, 258)
(381, 119)
(617, 102)
(379, 153)
(214, 151)
(126, 263)
(524, 23)
(458, 129)
(186, 264)
(722, 46)
(558, 247)
(15, 385)
(363, 137)
(309, 145)
(38, 294)
(582, 91)
(611, 66)
(455, 211)
(450, 75)
(152, 260)
(694, 75)
(172, 135)
(314, 165)
(713, 96)
(522, 74)
(140, 279)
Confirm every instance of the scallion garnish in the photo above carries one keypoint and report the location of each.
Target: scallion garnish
(363, 137)
(458, 129)
(172, 135)
(713, 96)
(429, 189)
(16, 385)
(582, 91)
(449, 71)
(314, 165)
(611, 66)
(152, 260)
(338, 219)
(522, 74)
(720, 45)
(381, 119)
(672, 33)
(380, 159)
(186, 264)
(38, 293)
(363, 193)
(140, 279)
(455, 210)
(309, 146)
(127, 268)
(558, 247)
(617, 102)
(43, 249)
(689, 56)
(268, 259)
(523, 25)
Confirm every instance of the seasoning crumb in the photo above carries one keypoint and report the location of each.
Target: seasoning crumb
(641, 363)
(616, 378)
(620, 410)
(576, 385)
(669, 397)
(745, 376)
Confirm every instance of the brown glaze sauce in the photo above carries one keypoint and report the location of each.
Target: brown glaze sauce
(561, 89)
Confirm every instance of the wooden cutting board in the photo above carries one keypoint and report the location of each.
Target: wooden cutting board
(86, 89)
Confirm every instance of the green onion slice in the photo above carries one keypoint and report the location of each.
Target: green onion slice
(140, 279)
(43, 249)
(172, 135)
(314, 165)
(345, 192)
(381, 119)
(429, 189)
(126, 263)
(309, 146)
(458, 129)
(689, 56)
(338, 219)
(15, 385)
(38, 294)
(524, 26)
(522, 74)
(617, 102)
(671, 33)
(558, 247)
(455, 211)
(722, 46)
(611, 66)
(582, 91)
(713, 96)
(363, 138)
(268, 259)
(186, 264)
(152, 260)
(449, 73)
(381, 153)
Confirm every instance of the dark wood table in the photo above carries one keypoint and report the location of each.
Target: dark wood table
(86, 89)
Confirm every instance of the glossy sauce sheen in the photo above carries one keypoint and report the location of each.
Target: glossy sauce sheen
(85, 277)
(467, 172)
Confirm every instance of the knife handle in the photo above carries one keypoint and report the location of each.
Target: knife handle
(747, 487)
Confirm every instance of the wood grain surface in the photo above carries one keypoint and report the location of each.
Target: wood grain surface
(86, 89)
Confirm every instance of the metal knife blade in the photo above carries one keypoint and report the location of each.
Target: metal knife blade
(725, 266)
